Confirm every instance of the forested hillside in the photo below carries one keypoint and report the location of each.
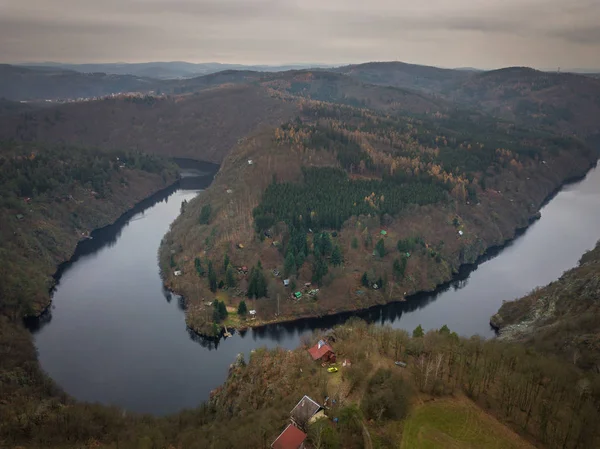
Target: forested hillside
(203, 126)
(564, 102)
(399, 74)
(360, 207)
(338, 190)
(561, 318)
(53, 196)
(454, 392)
(20, 83)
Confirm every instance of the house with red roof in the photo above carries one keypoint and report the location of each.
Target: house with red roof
(322, 351)
(290, 438)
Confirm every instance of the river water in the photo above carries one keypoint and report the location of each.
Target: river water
(114, 335)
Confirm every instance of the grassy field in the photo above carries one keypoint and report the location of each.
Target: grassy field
(456, 424)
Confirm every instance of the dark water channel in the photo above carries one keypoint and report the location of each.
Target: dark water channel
(113, 335)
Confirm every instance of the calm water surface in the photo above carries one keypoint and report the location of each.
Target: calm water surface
(113, 335)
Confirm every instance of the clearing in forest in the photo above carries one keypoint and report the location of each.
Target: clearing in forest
(452, 424)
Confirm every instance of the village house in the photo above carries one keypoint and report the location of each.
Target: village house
(290, 438)
(322, 351)
(304, 411)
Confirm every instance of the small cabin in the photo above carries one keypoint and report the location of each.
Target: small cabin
(322, 351)
(290, 438)
(304, 411)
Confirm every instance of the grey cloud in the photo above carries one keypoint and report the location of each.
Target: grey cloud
(587, 35)
(488, 33)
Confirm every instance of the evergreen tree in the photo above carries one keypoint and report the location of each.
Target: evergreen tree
(222, 310)
(257, 287)
(300, 258)
(212, 277)
(205, 214)
(319, 270)
(354, 243)
(364, 280)
(336, 256)
(380, 248)
(326, 244)
(418, 332)
(242, 308)
(399, 267)
(290, 264)
(225, 262)
(445, 330)
(198, 265)
(230, 276)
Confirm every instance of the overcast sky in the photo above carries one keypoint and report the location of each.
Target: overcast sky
(449, 33)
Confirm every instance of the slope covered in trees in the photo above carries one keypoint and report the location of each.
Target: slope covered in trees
(560, 318)
(456, 184)
(21, 83)
(515, 397)
(51, 197)
(202, 127)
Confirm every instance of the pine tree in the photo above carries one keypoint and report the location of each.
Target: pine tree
(418, 332)
(225, 262)
(319, 270)
(242, 308)
(380, 248)
(336, 257)
(364, 280)
(290, 264)
(198, 265)
(212, 277)
(205, 214)
(300, 258)
(222, 310)
(257, 287)
(230, 276)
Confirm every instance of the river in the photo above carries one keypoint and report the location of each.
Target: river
(114, 335)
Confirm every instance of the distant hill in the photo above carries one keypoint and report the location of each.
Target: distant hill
(166, 70)
(339, 88)
(200, 126)
(400, 74)
(566, 102)
(20, 83)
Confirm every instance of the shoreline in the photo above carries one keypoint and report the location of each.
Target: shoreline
(464, 268)
(89, 243)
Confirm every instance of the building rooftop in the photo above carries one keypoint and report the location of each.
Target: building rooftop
(290, 438)
(320, 349)
(304, 410)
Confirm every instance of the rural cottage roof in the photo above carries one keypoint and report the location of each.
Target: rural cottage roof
(304, 410)
(319, 350)
(290, 438)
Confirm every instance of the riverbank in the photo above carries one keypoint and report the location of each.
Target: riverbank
(453, 235)
(47, 210)
(240, 324)
(560, 318)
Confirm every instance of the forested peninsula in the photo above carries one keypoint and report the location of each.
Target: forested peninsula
(344, 208)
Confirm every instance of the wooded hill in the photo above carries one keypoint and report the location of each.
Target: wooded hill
(52, 197)
(315, 166)
(20, 83)
(454, 392)
(402, 201)
(561, 318)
